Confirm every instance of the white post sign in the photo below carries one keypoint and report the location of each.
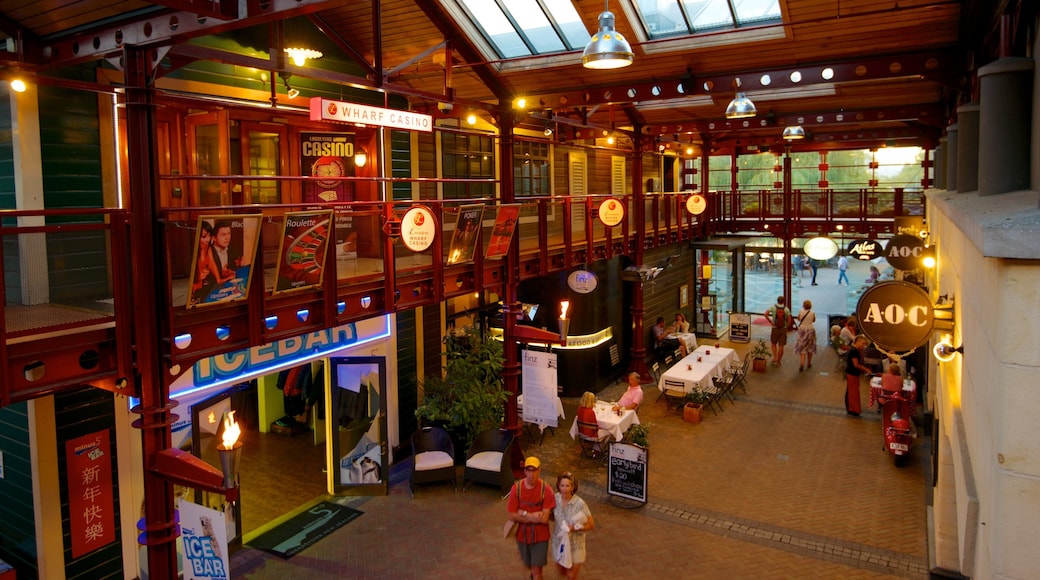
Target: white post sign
(538, 385)
(204, 538)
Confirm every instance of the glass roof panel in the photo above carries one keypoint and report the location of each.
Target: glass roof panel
(671, 18)
(709, 13)
(533, 23)
(518, 28)
(751, 11)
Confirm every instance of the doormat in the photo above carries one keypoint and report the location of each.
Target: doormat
(301, 531)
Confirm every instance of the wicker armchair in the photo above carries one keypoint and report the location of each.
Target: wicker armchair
(433, 458)
(488, 460)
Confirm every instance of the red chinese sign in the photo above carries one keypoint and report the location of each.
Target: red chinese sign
(91, 508)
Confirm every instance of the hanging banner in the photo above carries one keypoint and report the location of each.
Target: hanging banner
(222, 260)
(301, 262)
(327, 155)
(538, 375)
(464, 240)
(502, 233)
(88, 466)
(204, 541)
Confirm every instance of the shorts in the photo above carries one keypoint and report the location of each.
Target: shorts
(778, 335)
(534, 555)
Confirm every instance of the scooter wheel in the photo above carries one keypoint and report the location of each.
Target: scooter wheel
(901, 460)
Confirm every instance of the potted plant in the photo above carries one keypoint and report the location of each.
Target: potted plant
(637, 434)
(759, 354)
(468, 397)
(693, 409)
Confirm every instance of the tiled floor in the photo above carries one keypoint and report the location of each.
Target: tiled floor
(781, 485)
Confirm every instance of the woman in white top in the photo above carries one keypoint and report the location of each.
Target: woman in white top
(681, 324)
(805, 345)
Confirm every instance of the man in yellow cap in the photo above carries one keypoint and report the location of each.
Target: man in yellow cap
(531, 500)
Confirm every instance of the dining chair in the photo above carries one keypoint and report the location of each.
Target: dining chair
(593, 440)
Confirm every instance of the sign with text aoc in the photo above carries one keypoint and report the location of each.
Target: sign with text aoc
(626, 473)
(897, 316)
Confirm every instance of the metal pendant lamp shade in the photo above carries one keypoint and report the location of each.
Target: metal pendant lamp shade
(608, 48)
(741, 107)
(793, 133)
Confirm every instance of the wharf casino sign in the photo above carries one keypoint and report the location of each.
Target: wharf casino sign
(897, 316)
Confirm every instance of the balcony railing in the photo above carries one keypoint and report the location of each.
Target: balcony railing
(68, 294)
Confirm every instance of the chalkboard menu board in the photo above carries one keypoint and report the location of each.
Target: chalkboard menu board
(626, 474)
(739, 327)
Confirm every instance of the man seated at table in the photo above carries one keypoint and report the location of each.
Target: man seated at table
(633, 396)
(662, 344)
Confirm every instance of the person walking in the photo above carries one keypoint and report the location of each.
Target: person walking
(779, 316)
(843, 266)
(854, 369)
(805, 342)
(573, 519)
(531, 500)
(813, 265)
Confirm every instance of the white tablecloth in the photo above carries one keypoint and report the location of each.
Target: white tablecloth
(609, 421)
(687, 338)
(909, 390)
(520, 411)
(690, 373)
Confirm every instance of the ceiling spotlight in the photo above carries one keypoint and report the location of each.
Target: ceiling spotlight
(471, 119)
(291, 92)
(793, 133)
(741, 107)
(607, 48)
(548, 131)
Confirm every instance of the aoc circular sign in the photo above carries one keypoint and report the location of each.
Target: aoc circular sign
(582, 281)
(897, 316)
(820, 248)
(864, 249)
(418, 229)
(904, 252)
(696, 204)
(611, 212)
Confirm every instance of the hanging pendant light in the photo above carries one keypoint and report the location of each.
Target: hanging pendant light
(295, 44)
(793, 133)
(741, 107)
(607, 48)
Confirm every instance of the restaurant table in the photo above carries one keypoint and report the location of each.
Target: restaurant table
(698, 369)
(609, 421)
(909, 391)
(687, 338)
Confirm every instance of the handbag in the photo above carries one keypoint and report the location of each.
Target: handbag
(508, 529)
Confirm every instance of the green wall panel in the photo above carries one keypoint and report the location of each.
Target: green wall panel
(17, 520)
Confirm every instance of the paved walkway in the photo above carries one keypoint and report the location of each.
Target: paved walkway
(781, 485)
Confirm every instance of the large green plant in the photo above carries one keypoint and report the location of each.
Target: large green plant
(468, 396)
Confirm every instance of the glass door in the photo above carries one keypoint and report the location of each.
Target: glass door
(209, 144)
(262, 147)
(207, 427)
(357, 432)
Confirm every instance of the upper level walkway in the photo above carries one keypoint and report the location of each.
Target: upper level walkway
(68, 324)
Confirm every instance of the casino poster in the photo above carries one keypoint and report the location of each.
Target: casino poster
(301, 261)
(222, 259)
(327, 155)
(464, 240)
(502, 232)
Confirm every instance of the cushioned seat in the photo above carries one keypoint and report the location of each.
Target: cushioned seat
(488, 460)
(433, 457)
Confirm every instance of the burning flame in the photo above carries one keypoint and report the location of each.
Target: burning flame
(564, 305)
(231, 431)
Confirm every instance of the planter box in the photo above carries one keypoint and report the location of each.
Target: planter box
(758, 365)
(692, 413)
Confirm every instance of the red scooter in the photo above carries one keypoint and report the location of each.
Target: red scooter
(896, 426)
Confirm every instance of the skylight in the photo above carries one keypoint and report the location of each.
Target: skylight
(667, 18)
(517, 28)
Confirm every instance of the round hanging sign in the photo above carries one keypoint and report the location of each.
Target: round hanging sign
(696, 204)
(897, 316)
(820, 248)
(611, 212)
(582, 281)
(904, 252)
(418, 229)
(864, 249)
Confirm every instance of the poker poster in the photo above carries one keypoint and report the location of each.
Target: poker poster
(327, 155)
(502, 232)
(301, 262)
(222, 260)
(464, 240)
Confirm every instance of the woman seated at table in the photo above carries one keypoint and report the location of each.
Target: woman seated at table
(892, 381)
(680, 326)
(587, 424)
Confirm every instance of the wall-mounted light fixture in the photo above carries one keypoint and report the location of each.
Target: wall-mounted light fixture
(944, 350)
(360, 156)
(607, 48)
(18, 85)
(289, 90)
(928, 257)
